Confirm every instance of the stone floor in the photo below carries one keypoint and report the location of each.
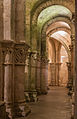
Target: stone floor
(55, 105)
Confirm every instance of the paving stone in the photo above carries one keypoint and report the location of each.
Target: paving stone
(55, 105)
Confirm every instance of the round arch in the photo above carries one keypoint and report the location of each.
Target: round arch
(56, 19)
(34, 29)
(48, 23)
(65, 46)
(59, 29)
(41, 5)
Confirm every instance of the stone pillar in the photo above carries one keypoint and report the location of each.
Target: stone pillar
(7, 75)
(20, 107)
(1, 76)
(27, 83)
(2, 110)
(53, 74)
(38, 78)
(19, 20)
(75, 114)
(49, 74)
(70, 81)
(8, 83)
(1, 38)
(1, 20)
(32, 77)
(44, 75)
(57, 73)
(7, 19)
(72, 50)
(14, 77)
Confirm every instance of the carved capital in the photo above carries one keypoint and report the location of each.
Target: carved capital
(7, 51)
(20, 53)
(69, 65)
(44, 59)
(70, 47)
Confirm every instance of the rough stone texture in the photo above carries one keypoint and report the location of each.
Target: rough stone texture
(2, 110)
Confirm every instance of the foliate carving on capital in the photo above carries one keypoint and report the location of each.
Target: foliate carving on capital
(32, 54)
(69, 66)
(20, 55)
(44, 60)
(7, 52)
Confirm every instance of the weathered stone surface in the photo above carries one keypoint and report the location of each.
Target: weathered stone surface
(2, 110)
(55, 105)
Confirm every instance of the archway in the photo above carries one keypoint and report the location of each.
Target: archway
(42, 23)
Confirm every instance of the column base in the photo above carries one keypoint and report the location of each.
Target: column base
(38, 91)
(20, 109)
(31, 96)
(44, 91)
(9, 111)
(2, 110)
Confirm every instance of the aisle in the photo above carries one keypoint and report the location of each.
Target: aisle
(55, 105)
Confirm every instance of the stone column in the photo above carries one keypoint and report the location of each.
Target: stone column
(1, 20)
(44, 75)
(75, 114)
(53, 74)
(20, 106)
(70, 81)
(31, 92)
(72, 50)
(7, 19)
(57, 73)
(6, 74)
(49, 74)
(2, 110)
(1, 38)
(1, 76)
(38, 78)
(27, 83)
(19, 20)
(8, 83)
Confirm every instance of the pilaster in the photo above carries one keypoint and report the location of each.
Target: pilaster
(31, 93)
(44, 75)
(13, 68)
(20, 106)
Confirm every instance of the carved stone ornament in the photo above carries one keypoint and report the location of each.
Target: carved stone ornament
(20, 53)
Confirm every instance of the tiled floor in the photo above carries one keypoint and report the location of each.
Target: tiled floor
(55, 105)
